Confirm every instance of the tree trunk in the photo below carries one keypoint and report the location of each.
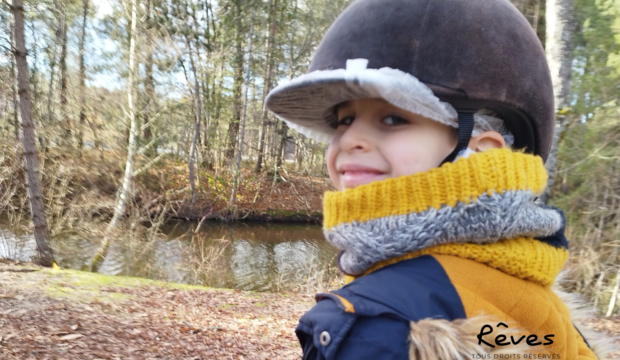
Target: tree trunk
(536, 19)
(82, 79)
(14, 87)
(50, 93)
(299, 147)
(233, 197)
(209, 89)
(233, 128)
(192, 152)
(199, 70)
(125, 191)
(36, 98)
(149, 85)
(66, 123)
(281, 145)
(37, 207)
(559, 50)
(267, 84)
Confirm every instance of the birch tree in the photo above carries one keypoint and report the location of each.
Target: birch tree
(37, 207)
(125, 191)
(559, 50)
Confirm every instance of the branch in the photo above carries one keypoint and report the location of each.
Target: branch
(142, 149)
(148, 166)
(153, 118)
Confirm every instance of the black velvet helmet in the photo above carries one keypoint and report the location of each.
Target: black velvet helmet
(471, 54)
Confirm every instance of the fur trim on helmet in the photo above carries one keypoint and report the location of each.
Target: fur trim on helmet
(307, 102)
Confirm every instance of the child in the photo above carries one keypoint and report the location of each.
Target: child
(447, 253)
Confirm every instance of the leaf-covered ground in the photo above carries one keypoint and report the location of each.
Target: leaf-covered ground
(65, 314)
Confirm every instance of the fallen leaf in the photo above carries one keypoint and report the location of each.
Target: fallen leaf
(74, 327)
(71, 337)
(58, 333)
(7, 296)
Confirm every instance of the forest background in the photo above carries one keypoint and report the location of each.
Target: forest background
(147, 110)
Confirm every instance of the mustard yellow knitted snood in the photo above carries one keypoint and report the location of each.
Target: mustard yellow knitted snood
(481, 199)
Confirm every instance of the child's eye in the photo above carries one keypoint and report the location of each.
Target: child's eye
(346, 121)
(394, 120)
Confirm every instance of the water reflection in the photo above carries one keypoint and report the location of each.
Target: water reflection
(18, 247)
(248, 256)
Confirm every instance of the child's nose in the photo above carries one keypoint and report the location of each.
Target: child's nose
(357, 136)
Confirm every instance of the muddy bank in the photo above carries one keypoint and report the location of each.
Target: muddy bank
(66, 314)
(294, 198)
(265, 216)
(79, 190)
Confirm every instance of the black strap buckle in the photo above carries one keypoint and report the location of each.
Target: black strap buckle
(466, 128)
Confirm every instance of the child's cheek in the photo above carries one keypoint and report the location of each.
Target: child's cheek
(413, 156)
(330, 155)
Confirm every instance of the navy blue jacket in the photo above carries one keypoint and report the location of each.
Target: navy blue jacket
(369, 318)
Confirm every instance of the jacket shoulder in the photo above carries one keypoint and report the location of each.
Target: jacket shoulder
(411, 290)
(329, 331)
(370, 317)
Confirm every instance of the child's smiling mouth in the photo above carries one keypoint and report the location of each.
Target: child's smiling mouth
(353, 175)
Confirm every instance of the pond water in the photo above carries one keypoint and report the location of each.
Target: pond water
(248, 256)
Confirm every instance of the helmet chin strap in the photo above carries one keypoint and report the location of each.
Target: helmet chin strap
(466, 127)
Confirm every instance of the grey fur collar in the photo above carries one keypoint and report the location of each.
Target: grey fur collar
(487, 220)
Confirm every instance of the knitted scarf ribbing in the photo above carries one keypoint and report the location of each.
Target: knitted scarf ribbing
(481, 199)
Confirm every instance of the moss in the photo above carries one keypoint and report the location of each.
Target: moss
(285, 212)
(86, 279)
(228, 306)
(258, 304)
(277, 213)
(86, 294)
(81, 286)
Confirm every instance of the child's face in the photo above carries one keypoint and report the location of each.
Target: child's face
(376, 140)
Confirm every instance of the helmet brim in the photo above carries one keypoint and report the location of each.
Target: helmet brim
(308, 102)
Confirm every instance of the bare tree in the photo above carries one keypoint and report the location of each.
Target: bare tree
(125, 191)
(37, 207)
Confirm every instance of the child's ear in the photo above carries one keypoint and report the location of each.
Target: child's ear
(487, 140)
